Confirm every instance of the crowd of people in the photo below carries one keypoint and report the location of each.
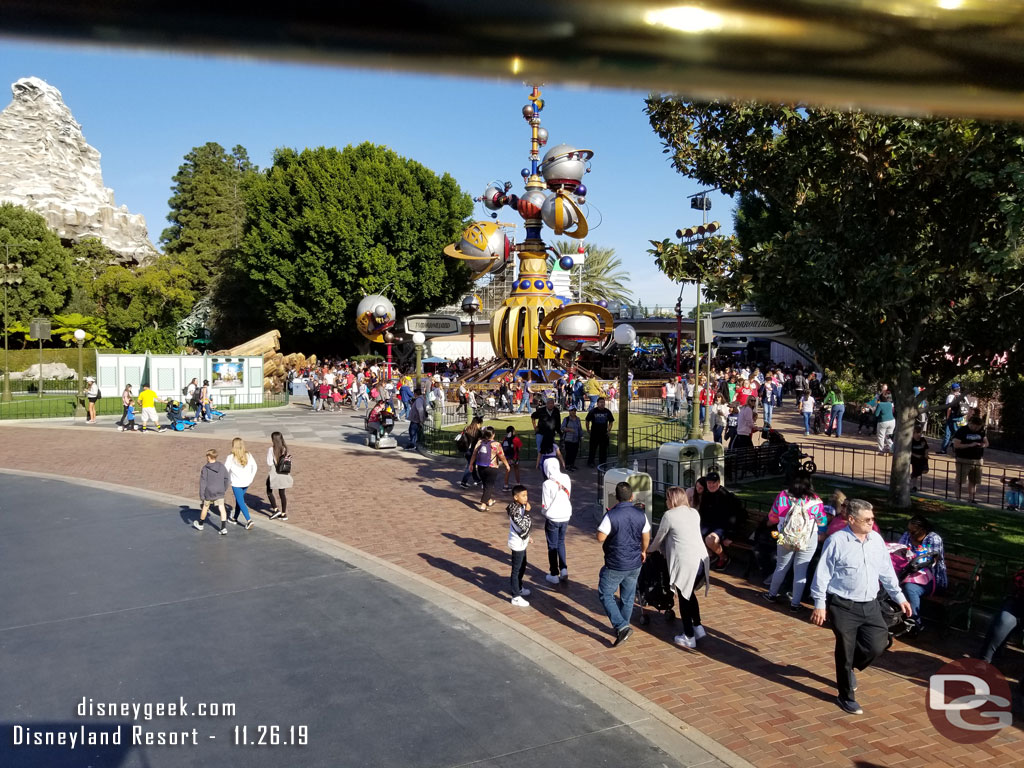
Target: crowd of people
(867, 589)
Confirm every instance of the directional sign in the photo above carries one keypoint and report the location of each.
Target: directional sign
(433, 325)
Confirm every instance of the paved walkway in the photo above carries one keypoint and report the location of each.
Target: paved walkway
(131, 604)
(760, 685)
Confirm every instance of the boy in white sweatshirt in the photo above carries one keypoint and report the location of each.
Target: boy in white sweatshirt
(557, 509)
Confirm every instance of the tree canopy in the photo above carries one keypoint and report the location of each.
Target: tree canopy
(889, 243)
(207, 208)
(326, 226)
(45, 286)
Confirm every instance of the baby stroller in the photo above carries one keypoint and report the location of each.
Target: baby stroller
(176, 413)
(822, 418)
(653, 588)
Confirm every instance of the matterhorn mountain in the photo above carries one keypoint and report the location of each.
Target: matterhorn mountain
(47, 166)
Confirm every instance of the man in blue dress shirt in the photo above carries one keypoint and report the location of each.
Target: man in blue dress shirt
(852, 563)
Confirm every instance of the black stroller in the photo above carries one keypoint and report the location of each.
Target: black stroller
(653, 588)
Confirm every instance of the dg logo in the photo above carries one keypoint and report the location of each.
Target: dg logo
(969, 701)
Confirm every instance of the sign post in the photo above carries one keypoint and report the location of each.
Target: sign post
(39, 329)
(433, 325)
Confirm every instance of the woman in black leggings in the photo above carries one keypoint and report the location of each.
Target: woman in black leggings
(279, 478)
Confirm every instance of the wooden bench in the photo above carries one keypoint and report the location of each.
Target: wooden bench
(743, 541)
(963, 575)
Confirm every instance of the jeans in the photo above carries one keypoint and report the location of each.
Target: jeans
(669, 407)
(415, 433)
(799, 560)
(240, 502)
(555, 535)
(836, 422)
(768, 409)
(947, 439)
(619, 609)
(474, 474)
(885, 430)
(703, 411)
(689, 612)
(524, 402)
(807, 421)
(914, 593)
(1003, 623)
(593, 402)
(717, 432)
(518, 571)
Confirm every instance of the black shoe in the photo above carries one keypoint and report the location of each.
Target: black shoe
(234, 519)
(622, 636)
(849, 706)
(795, 608)
(464, 485)
(769, 597)
(720, 564)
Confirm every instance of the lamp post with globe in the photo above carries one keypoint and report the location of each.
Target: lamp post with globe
(418, 339)
(79, 339)
(624, 335)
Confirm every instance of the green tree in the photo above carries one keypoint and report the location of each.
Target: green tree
(157, 296)
(159, 341)
(889, 243)
(89, 257)
(327, 226)
(706, 308)
(63, 326)
(207, 209)
(603, 274)
(45, 264)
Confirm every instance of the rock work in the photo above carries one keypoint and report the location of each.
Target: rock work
(47, 166)
(50, 371)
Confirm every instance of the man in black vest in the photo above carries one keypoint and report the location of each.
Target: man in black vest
(625, 534)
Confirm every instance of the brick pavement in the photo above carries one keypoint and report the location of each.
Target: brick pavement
(760, 684)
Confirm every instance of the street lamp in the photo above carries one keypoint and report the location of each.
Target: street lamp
(9, 278)
(79, 339)
(419, 340)
(624, 335)
(389, 339)
(471, 305)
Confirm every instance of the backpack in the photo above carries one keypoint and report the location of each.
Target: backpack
(184, 390)
(284, 465)
(99, 393)
(799, 528)
(959, 407)
(462, 441)
(483, 454)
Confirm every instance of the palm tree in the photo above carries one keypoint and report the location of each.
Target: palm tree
(603, 274)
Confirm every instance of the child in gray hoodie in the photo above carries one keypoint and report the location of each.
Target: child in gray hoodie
(213, 484)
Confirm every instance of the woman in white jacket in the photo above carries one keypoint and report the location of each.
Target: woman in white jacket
(557, 508)
(241, 467)
(679, 540)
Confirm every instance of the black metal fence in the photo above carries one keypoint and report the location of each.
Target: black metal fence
(57, 406)
(50, 386)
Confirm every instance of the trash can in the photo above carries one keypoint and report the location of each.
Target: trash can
(641, 483)
(676, 461)
(711, 457)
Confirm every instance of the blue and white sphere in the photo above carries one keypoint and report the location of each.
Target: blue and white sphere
(566, 263)
(603, 303)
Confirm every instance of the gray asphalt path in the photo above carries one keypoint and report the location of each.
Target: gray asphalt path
(110, 598)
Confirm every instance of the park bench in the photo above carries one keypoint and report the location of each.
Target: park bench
(744, 541)
(760, 461)
(963, 575)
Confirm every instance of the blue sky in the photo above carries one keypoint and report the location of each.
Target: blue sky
(144, 110)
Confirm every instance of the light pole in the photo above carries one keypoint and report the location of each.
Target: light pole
(389, 339)
(10, 278)
(80, 405)
(625, 335)
(471, 305)
(419, 340)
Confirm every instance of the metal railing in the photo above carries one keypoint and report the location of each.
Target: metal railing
(57, 406)
(50, 386)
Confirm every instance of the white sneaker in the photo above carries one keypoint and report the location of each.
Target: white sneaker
(518, 601)
(197, 525)
(685, 640)
(524, 592)
(698, 632)
(551, 579)
(564, 574)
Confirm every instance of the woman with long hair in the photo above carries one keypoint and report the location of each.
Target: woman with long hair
(800, 517)
(487, 456)
(278, 459)
(679, 540)
(241, 467)
(925, 571)
(469, 438)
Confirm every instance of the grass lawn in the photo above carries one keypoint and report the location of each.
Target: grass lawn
(63, 406)
(990, 530)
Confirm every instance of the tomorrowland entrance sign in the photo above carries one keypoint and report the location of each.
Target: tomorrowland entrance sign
(738, 327)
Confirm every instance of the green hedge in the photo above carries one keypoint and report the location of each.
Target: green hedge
(21, 359)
